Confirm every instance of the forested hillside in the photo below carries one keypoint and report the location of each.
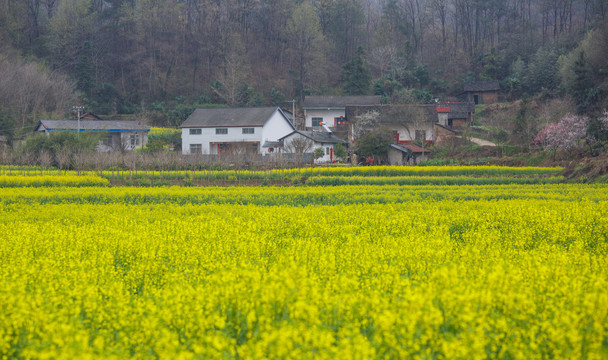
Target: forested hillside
(160, 59)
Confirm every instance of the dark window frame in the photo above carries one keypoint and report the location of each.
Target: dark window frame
(196, 146)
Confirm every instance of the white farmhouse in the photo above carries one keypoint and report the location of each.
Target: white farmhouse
(308, 141)
(220, 130)
(330, 110)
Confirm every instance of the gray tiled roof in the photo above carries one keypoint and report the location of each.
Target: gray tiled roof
(98, 125)
(458, 110)
(230, 117)
(427, 112)
(492, 85)
(318, 136)
(267, 143)
(339, 101)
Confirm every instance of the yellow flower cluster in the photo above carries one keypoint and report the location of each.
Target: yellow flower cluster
(51, 180)
(425, 170)
(455, 272)
(332, 175)
(430, 180)
(338, 171)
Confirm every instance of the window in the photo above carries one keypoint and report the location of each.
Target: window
(327, 151)
(221, 131)
(317, 121)
(248, 130)
(196, 131)
(196, 148)
(420, 135)
(107, 141)
(134, 140)
(340, 121)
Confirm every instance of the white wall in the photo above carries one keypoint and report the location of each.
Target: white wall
(121, 140)
(114, 143)
(208, 136)
(275, 128)
(404, 135)
(326, 155)
(125, 139)
(328, 116)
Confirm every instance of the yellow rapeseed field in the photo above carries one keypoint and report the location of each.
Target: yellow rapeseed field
(346, 272)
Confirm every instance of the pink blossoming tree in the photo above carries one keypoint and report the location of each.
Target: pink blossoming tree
(564, 134)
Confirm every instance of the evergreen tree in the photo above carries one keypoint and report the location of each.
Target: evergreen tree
(84, 70)
(374, 144)
(356, 76)
(582, 84)
(542, 72)
(491, 66)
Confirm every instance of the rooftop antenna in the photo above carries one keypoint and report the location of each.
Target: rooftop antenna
(78, 110)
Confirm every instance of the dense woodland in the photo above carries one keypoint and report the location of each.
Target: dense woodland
(159, 59)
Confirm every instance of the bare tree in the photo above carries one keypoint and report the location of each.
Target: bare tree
(381, 58)
(63, 157)
(411, 118)
(44, 160)
(33, 90)
(299, 146)
(306, 43)
(235, 70)
(6, 156)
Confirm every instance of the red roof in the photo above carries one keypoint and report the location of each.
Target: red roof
(411, 147)
(415, 148)
(443, 109)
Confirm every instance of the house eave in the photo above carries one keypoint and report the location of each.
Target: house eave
(99, 130)
(221, 126)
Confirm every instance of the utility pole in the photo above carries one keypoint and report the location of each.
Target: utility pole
(78, 110)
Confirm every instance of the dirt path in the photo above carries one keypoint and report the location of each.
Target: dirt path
(480, 142)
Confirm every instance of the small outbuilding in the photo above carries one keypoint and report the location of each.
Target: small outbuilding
(482, 92)
(119, 135)
(307, 141)
(406, 154)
